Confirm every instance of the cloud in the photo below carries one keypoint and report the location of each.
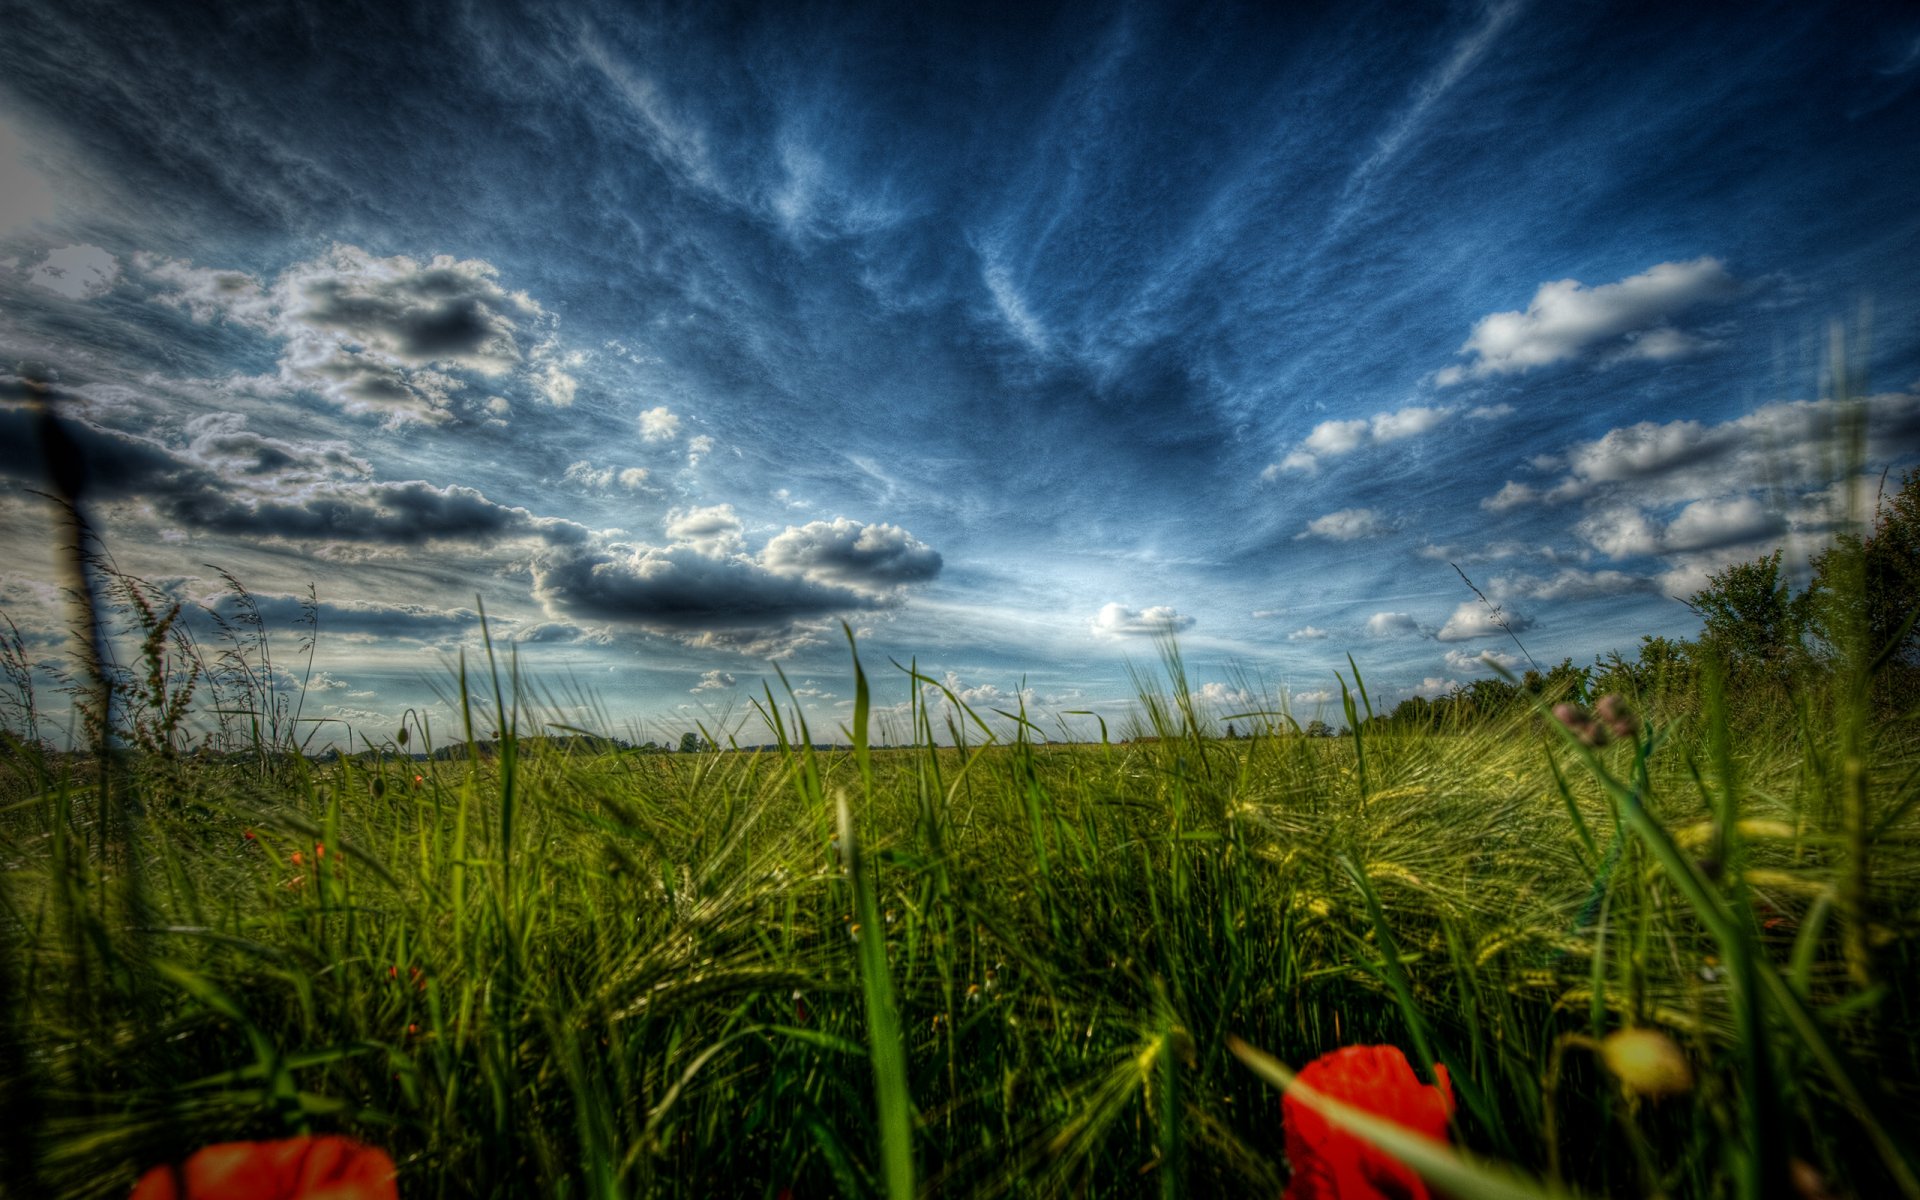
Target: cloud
(658, 424)
(82, 272)
(1475, 620)
(1792, 444)
(1567, 320)
(1391, 624)
(707, 589)
(1570, 583)
(713, 530)
(698, 447)
(1223, 696)
(1318, 696)
(1117, 620)
(1307, 633)
(1433, 687)
(230, 480)
(24, 195)
(846, 551)
(1345, 526)
(1331, 439)
(714, 681)
(598, 479)
(1460, 660)
(353, 620)
(400, 338)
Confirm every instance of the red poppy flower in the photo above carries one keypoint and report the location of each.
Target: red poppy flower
(301, 1168)
(1331, 1164)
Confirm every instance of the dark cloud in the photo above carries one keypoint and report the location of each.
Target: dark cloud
(705, 583)
(861, 556)
(220, 483)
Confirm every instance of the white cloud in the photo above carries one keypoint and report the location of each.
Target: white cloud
(81, 272)
(1391, 624)
(1460, 660)
(401, 338)
(1571, 583)
(1117, 620)
(1335, 437)
(715, 529)
(1433, 687)
(633, 478)
(585, 474)
(1221, 695)
(844, 551)
(1345, 525)
(1566, 319)
(1307, 633)
(1012, 307)
(698, 447)
(1331, 439)
(659, 423)
(1622, 531)
(1489, 412)
(1475, 620)
(714, 681)
(1730, 521)
(1319, 696)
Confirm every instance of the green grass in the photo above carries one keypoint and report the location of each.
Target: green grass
(1007, 968)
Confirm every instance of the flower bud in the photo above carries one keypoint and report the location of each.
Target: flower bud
(1647, 1063)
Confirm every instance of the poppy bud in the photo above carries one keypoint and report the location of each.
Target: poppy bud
(1646, 1062)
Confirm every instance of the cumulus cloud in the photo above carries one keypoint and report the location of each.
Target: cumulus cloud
(1222, 695)
(713, 530)
(698, 447)
(1391, 624)
(1687, 491)
(1475, 620)
(1567, 320)
(1117, 620)
(659, 424)
(714, 681)
(82, 272)
(398, 338)
(846, 551)
(1570, 583)
(1345, 526)
(1307, 633)
(1331, 439)
(1433, 687)
(706, 588)
(1460, 660)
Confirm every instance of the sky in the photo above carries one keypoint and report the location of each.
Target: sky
(676, 336)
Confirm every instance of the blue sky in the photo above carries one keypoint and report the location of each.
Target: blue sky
(678, 335)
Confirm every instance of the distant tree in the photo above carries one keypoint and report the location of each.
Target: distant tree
(1752, 621)
(1318, 728)
(1562, 682)
(1231, 735)
(690, 742)
(1865, 590)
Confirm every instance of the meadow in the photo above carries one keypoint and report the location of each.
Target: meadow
(980, 963)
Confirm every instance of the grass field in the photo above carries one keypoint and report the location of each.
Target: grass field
(1003, 967)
